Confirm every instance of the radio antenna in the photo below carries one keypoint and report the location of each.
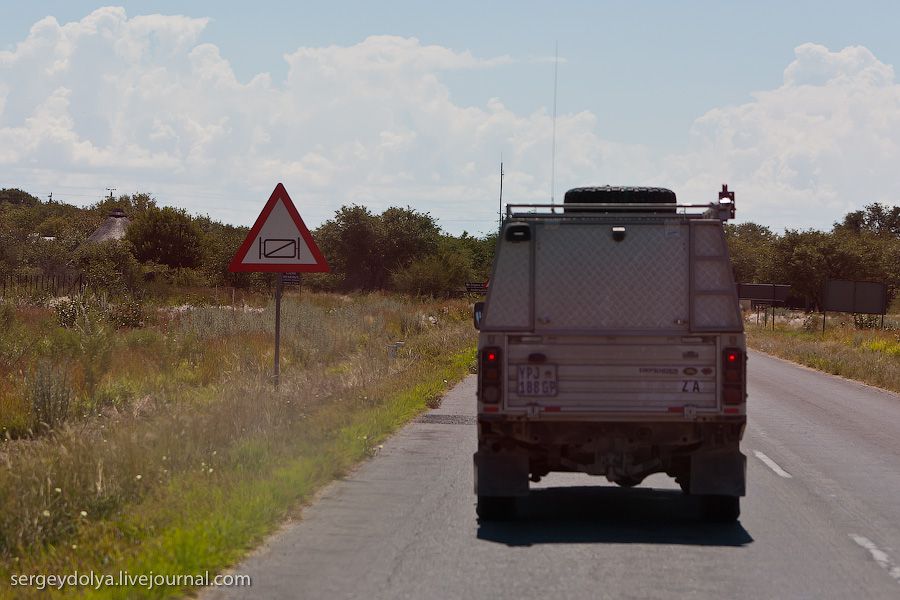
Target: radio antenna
(500, 212)
(553, 159)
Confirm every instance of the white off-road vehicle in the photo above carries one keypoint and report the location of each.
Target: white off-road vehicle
(611, 343)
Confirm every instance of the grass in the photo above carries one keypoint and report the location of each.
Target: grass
(868, 355)
(190, 475)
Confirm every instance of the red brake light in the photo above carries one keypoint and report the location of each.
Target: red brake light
(491, 378)
(733, 376)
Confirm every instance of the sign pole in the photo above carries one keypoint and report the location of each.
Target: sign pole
(279, 242)
(278, 286)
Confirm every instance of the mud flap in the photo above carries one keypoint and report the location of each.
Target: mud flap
(722, 473)
(501, 474)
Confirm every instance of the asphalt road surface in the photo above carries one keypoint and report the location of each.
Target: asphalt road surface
(821, 518)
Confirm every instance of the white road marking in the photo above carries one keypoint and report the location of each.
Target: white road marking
(772, 464)
(881, 557)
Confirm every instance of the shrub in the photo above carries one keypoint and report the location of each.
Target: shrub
(166, 235)
(866, 321)
(435, 275)
(128, 312)
(67, 312)
(109, 266)
(811, 323)
(49, 396)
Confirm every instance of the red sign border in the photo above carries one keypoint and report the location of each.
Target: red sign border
(237, 265)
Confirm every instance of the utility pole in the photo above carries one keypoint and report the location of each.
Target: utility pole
(50, 198)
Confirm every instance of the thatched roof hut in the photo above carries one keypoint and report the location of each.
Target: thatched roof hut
(113, 228)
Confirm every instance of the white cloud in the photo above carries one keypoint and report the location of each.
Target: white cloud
(804, 154)
(142, 103)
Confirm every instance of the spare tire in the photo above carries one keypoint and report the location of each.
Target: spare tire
(620, 195)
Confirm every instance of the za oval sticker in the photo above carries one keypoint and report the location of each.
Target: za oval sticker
(690, 371)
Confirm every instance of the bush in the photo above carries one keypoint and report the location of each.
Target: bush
(811, 323)
(436, 275)
(866, 321)
(49, 396)
(109, 266)
(128, 312)
(67, 312)
(166, 235)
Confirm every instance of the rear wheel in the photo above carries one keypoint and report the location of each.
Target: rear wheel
(721, 509)
(496, 508)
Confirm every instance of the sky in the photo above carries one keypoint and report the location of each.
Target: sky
(208, 104)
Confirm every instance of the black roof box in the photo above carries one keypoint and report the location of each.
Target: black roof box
(620, 195)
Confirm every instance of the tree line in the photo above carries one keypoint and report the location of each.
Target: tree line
(400, 249)
(865, 245)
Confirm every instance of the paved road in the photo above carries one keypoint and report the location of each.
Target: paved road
(821, 519)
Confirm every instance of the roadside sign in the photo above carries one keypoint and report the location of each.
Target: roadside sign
(773, 293)
(279, 241)
(290, 278)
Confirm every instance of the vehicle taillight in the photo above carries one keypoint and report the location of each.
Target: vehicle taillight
(733, 376)
(491, 376)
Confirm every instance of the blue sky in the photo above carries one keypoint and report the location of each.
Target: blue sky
(652, 92)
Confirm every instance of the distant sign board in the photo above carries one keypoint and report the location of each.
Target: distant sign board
(477, 287)
(845, 295)
(772, 293)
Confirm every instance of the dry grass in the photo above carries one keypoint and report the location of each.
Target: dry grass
(868, 355)
(190, 403)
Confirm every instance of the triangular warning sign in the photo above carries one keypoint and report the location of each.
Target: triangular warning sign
(279, 241)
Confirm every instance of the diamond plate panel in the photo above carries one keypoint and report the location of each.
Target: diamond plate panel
(716, 311)
(709, 239)
(712, 275)
(509, 293)
(586, 280)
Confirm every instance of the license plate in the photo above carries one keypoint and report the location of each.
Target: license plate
(536, 380)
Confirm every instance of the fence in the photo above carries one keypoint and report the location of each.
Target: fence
(30, 285)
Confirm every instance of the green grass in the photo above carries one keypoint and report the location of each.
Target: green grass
(868, 355)
(191, 481)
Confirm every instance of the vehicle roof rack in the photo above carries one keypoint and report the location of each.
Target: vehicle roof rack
(723, 209)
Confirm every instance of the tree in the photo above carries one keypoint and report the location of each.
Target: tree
(17, 196)
(350, 244)
(221, 242)
(108, 265)
(167, 236)
(805, 259)
(404, 235)
(133, 205)
(437, 274)
(877, 218)
(482, 253)
(750, 248)
(365, 249)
